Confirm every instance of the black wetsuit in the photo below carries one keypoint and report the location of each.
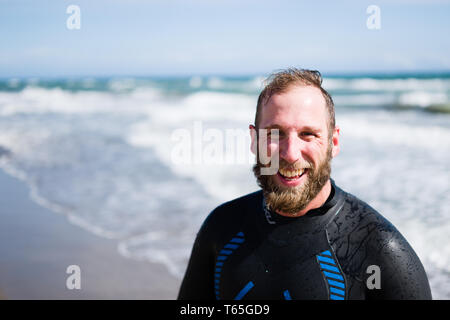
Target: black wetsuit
(244, 251)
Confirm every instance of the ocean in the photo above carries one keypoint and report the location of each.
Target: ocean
(143, 160)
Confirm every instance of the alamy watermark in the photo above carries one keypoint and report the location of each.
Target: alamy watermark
(74, 280)
(374, 20)
(213, 146)
(374, 280)
(73, 22)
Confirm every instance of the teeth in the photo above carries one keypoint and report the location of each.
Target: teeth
(290, 174)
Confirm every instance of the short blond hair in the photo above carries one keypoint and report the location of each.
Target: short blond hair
(281, 81)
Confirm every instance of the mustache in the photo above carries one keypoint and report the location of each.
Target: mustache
(295, 166)
(283, 164)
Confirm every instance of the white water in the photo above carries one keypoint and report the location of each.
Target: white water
(105, 159)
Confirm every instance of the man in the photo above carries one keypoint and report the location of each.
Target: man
(301, 236)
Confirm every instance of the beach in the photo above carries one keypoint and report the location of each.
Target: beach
(118, 174)
(37, 245)
(125, 124)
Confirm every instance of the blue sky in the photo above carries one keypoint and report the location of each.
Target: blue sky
(169, 37)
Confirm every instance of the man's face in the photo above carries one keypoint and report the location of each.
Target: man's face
(304, 147)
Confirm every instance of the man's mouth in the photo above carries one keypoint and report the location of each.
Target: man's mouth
(291, 175)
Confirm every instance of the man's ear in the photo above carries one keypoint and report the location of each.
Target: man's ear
(335, 142)
(254, 138)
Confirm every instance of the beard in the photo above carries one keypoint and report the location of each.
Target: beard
(291, 200)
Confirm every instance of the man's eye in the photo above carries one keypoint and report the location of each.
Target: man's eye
(273, 133)
(307, 134)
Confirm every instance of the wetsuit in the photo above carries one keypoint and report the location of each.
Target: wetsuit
(245, 251)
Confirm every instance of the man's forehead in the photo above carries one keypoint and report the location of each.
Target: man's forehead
(295, 106)
(298, 94)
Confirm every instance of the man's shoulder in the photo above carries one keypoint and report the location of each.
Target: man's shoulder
(366, 226)
(234, 211)
(362, 237)
(240, 203)
(358, 217)
(360, 210)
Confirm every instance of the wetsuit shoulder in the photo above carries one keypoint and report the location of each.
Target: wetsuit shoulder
(362, 238)
(236, 206)
(223, 221)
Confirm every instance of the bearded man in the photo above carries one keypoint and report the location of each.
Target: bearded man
(301, 236)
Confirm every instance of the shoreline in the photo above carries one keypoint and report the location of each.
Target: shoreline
(37, 245)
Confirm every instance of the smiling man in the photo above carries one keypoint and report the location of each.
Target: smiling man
(301, 236)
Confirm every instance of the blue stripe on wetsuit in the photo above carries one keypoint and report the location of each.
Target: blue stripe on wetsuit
(332, 274)
(287, 295)
(244, 291)
(226, 251)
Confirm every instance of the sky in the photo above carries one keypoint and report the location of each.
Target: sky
(198, 37)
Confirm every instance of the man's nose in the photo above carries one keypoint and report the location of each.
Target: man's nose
(291, 148)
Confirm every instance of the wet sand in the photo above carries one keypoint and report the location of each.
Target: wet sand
(37, 245)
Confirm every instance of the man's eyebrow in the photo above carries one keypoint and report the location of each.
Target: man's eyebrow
(273, 126)
(311, 128)
(304, 128)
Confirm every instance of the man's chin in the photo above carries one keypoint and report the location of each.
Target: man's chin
(292, 195)
(284, 196)
(286, 202)
(290, 199)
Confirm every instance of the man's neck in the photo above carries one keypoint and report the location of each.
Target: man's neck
(317, 202)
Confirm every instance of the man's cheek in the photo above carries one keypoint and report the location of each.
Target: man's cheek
(273, 148)
(271, 156)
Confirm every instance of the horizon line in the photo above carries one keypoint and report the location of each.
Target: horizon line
(369, 73)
